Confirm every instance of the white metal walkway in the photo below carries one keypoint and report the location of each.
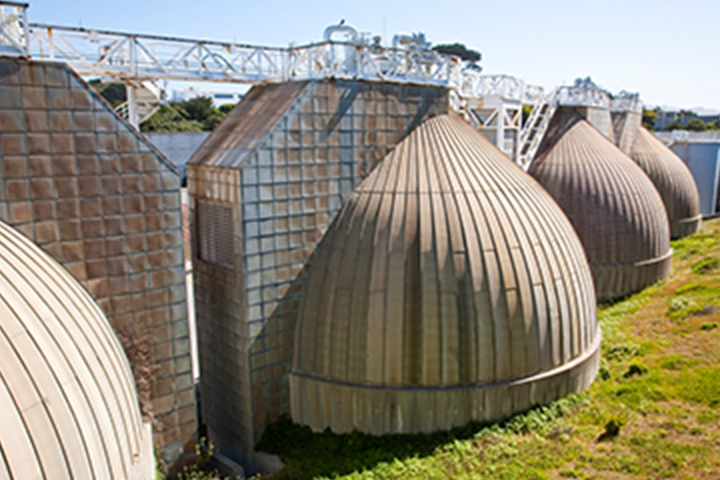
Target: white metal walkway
(492, 102)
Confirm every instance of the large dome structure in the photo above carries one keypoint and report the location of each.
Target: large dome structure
(450, 287)
(673, 180)
(67, 395)
(614, 207)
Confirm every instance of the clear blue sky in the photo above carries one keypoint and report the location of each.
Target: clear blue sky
(665, 49)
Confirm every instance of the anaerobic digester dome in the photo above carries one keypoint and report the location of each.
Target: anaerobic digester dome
(450, 287)
(673, 181)
(68, 406)
(613, 205)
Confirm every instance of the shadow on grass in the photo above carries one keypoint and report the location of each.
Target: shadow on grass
(309, 455)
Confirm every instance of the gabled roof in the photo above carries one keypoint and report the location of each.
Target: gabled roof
(247, 125)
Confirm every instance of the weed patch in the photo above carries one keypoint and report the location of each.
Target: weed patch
(704, 266)
(635, 369)
(702, 386)
(612, 430)
(698, 244)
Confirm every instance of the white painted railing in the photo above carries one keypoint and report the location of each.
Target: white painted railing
(13, 28)
(143, 57)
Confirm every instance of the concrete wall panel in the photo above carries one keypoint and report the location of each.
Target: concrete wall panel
(92, 192)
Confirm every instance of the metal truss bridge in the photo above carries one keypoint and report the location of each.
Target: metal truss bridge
(493, 103)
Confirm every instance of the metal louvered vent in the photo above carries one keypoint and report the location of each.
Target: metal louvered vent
(215, 234)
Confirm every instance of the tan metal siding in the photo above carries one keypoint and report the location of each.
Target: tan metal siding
(465, 264)
(67, 394)
(672, 179)
(614, 207)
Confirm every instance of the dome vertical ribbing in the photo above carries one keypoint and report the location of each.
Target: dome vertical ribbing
(614, 207)
(67, 395)
(450, 287)
(672, 179)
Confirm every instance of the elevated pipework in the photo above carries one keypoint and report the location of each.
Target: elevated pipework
(413, 41)
(348, 30)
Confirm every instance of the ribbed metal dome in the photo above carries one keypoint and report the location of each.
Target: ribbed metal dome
(613, 205)
(672, 179)
(450, 287)
(68, 407)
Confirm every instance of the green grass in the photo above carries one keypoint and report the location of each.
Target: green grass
(653, 411)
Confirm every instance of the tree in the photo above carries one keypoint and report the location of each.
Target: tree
(674, 126)
(168, 119)
(194, 115)
(198, 108)
(648, 118)
(114, 92)
(213, 120)
(226, 107)
(460, 50)
(696, 125)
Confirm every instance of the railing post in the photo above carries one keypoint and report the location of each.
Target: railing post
(26, 31)
(14, 29)
(51, 44)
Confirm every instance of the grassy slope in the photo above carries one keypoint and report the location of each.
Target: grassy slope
(652, 412)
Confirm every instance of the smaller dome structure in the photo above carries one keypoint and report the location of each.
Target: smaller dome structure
(673, 180)
(450, 287)
(614, 207)
(68, 406)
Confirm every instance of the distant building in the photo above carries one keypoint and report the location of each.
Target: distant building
(218, 98)
(666, 117)
(701, 153)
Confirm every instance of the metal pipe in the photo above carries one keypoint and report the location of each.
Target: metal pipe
(342, 28)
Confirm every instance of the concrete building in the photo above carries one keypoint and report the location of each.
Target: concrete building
(449, 288)
(666, 117)
(700, 151)
(67, 394)
(94, 194)
(264, 188)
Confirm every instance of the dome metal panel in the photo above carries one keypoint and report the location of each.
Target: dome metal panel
(673, 180)
(67, 395)
(614, 207)
(450, 287)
